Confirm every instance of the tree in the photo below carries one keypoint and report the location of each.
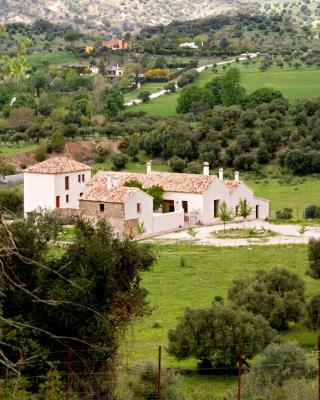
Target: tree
(52, 312)
(57, 141)
(278, 363)
(11, 200)
(277, 295)
(177, 164)
(244, 209)
(156, 191)
(72, 36)
(225, 214)
(119, 161)
(213, 335)
(231, 90)
(263, 95)
(313, 313)
(192, 94)
(314, 258)
(144, 96)
(113, 102)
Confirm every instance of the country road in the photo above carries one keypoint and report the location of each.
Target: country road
(199, 69)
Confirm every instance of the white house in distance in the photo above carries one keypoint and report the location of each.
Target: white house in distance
(188, 199)
(189, 45)
(58, 182)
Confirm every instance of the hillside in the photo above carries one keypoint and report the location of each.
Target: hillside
(115, 16)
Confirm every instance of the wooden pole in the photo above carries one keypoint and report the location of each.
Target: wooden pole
(239, 371)
(159, 375)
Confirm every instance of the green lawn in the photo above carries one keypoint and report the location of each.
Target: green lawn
(162, 106)
(13, 150)
(208, 272)
(297, 194)
(152, 87)
(54, 57)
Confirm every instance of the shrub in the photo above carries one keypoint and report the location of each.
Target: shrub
(312, 212)
(286, 213)
(313, 313)
(314, 258)
(11, 200)
(177, 164)
(40, 152)
(144, 96)
(119, 161)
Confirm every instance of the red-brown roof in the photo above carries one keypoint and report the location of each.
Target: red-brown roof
(113, 195)
(57, 165)
(171, 182)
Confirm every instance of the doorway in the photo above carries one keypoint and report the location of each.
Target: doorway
(185, 206)
(57, 201)
(216, 208)
(257, 211)
(167, 206)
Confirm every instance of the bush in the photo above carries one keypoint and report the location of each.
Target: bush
(286, 213)
(40, 152)
(312, 212)
(11, 200)
(177, 164)
(119, 161)
(314, 258)
(144, 96)
(313, 313)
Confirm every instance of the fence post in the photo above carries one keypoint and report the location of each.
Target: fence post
(159, 375)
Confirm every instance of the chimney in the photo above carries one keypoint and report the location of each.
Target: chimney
(109, 181)
(221, 174)
(149, 167)
(206, 168)
(115, 181)
(237, 176)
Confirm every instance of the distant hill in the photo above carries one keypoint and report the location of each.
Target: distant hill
(116, 16)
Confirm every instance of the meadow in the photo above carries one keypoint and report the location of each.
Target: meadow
(207, 272)
(292, 83)
(54, 57)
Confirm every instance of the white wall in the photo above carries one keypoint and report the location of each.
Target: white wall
(168, 221)
(145, 216)
(264, 207)
(39, 191)
(195, 201)
(75, 188)
(216, 191)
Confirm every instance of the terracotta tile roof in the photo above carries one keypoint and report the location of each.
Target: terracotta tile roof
(232, 185)
(57, 165)
(171, 182)
(114, 195)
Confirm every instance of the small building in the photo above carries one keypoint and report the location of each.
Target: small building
(116, 44)
(58, 182)
(93, 69)
(129, 210)
(114, 71)
(189, 45)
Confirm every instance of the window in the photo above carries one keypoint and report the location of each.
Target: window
(67, 198)
(79, 178)
(138, 208)
(101, 207)
(237, 211)
(57, 201)
(83, 177)
(66, 183)
(81, 194)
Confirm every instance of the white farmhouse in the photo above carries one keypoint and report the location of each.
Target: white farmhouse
(189, 45)
(58, 182)
(94, 69)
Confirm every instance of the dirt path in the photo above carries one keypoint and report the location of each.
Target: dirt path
(284, 234)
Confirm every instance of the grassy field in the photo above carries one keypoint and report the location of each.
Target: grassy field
(54, 57)
(150, 86)
(292, 83)
(297, 193)
(208, 272)
(13, 150)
